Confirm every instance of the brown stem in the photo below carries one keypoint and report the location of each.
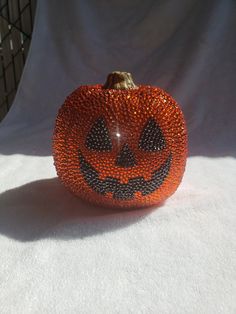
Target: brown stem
(119, 80)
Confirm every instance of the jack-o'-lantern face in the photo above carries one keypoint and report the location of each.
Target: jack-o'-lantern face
(122, 155)
(120, 148)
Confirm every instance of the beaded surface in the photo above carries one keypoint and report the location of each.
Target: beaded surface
(120, 148)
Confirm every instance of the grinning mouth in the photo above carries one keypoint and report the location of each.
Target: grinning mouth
(123, 191)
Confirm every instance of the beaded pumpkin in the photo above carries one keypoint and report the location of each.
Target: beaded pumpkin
(119, 144)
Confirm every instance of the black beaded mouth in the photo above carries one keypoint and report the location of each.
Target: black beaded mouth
(123, 191)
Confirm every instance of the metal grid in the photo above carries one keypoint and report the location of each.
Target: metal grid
(16, 25)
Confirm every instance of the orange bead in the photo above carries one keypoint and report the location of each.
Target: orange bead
(120, 147)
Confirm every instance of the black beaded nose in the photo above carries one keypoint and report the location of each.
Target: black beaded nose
(125, 157)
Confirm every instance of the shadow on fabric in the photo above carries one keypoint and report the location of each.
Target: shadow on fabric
(45, 209)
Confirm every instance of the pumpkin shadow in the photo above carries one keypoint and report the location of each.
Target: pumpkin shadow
(45, 209)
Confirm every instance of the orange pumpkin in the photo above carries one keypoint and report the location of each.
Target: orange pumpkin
(119, 144)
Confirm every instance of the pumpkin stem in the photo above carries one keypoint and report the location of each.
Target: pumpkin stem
(119, 80)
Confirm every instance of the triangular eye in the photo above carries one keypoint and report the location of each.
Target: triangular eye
(98, 137)
(152, 138)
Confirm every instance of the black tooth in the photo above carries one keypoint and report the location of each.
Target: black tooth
(123, 192)
(111, 184)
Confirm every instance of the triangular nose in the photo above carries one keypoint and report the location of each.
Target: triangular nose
(125, 157)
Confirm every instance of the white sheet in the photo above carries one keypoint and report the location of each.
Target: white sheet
(59, 255)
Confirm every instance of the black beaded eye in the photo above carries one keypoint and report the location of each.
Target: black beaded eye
(151, 138)
(98, 137)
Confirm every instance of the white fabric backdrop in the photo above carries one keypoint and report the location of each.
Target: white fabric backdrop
(59, 255)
